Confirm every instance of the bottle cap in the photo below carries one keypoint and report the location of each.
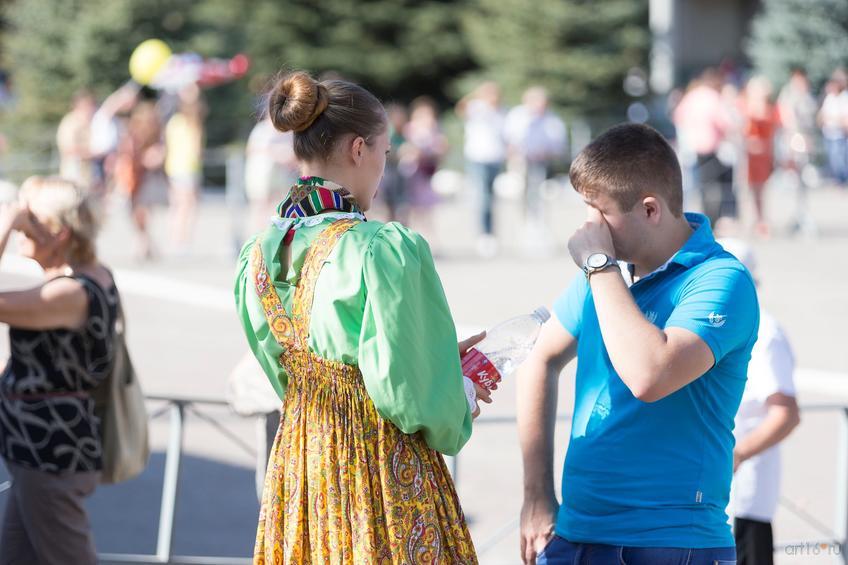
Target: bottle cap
(542, 314)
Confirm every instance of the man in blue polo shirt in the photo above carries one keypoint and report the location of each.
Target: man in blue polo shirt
(662, 352)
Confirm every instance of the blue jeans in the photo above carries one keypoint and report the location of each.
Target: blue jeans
(837, 158)
(562, 552)
(482, 176)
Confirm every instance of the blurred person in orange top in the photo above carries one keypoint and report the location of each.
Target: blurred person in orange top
(761, 122)
(138, 171)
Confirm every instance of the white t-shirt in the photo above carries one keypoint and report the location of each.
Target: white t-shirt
(484, 133)
(103, 138)
(756, 485)
(834, 113)
(267, 150)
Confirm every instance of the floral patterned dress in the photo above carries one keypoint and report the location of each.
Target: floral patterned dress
(354, 474)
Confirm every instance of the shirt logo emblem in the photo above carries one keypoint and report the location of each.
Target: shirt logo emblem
(717, 320)
(651, 316)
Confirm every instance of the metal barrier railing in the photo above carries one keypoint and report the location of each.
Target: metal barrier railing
(832, 543)
(177, 408)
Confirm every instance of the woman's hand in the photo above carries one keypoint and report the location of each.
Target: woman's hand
(11, 215)
(481, 393)
(467, 344)
(17, 217)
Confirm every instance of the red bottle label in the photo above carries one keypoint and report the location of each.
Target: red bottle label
(479, 369)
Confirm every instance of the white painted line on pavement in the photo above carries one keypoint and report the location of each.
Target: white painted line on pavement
(207, 296)
(143, 284)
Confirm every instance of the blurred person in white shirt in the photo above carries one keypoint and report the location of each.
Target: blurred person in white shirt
(833, 119)
(72, 139)
(797, 109)
(767, 415)
(485, 154)
(270, 170)
(536, 137)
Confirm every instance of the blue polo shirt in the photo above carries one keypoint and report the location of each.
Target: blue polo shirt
(658, 474)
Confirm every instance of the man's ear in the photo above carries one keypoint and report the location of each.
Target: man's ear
(652, 208)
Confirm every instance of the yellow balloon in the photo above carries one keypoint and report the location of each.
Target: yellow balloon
(148, 59)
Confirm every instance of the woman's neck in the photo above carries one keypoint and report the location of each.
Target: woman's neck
(324, 171)
(54, 271)
(64, 268)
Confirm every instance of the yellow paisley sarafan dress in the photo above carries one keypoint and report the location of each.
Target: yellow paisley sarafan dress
(345, 485)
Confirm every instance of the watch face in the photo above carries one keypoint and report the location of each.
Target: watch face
(596, 260)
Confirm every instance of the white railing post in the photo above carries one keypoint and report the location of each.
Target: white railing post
(171, 482)
(842, 486)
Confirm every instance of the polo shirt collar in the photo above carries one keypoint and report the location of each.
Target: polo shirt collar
(700, 245)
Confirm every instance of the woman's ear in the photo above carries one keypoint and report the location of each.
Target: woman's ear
(63, 235)
(356, 149)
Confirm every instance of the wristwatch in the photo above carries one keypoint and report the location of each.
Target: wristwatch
(598, 262)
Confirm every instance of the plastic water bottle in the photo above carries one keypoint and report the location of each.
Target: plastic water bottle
(504, 348)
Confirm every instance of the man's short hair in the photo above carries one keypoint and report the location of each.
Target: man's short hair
(628, 162)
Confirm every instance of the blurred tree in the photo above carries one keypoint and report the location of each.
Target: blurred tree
(397, 48)
(799, 33)
(55, 47)
(36, 50)
(579, 49)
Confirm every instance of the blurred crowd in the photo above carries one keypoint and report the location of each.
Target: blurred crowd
(526, 139)
(148, 150)
(732, 134)
(731, 137)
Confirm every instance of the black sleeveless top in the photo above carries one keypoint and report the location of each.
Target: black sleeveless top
(47, 417)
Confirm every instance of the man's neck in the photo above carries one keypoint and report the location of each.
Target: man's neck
(665, 249)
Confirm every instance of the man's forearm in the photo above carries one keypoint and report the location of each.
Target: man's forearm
(777, 425)
(537, 403)
(632, 342)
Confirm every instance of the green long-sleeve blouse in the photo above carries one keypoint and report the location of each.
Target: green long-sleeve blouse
(379, 305)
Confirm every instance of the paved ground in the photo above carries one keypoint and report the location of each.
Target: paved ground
(185, 339)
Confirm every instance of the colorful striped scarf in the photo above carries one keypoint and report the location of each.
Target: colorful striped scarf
(313, 195)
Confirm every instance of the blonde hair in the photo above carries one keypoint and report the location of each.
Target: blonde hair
(61, 203)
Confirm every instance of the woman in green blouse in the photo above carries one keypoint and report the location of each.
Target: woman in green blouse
(349, 320)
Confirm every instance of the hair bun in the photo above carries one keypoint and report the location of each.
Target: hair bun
(296, 101)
